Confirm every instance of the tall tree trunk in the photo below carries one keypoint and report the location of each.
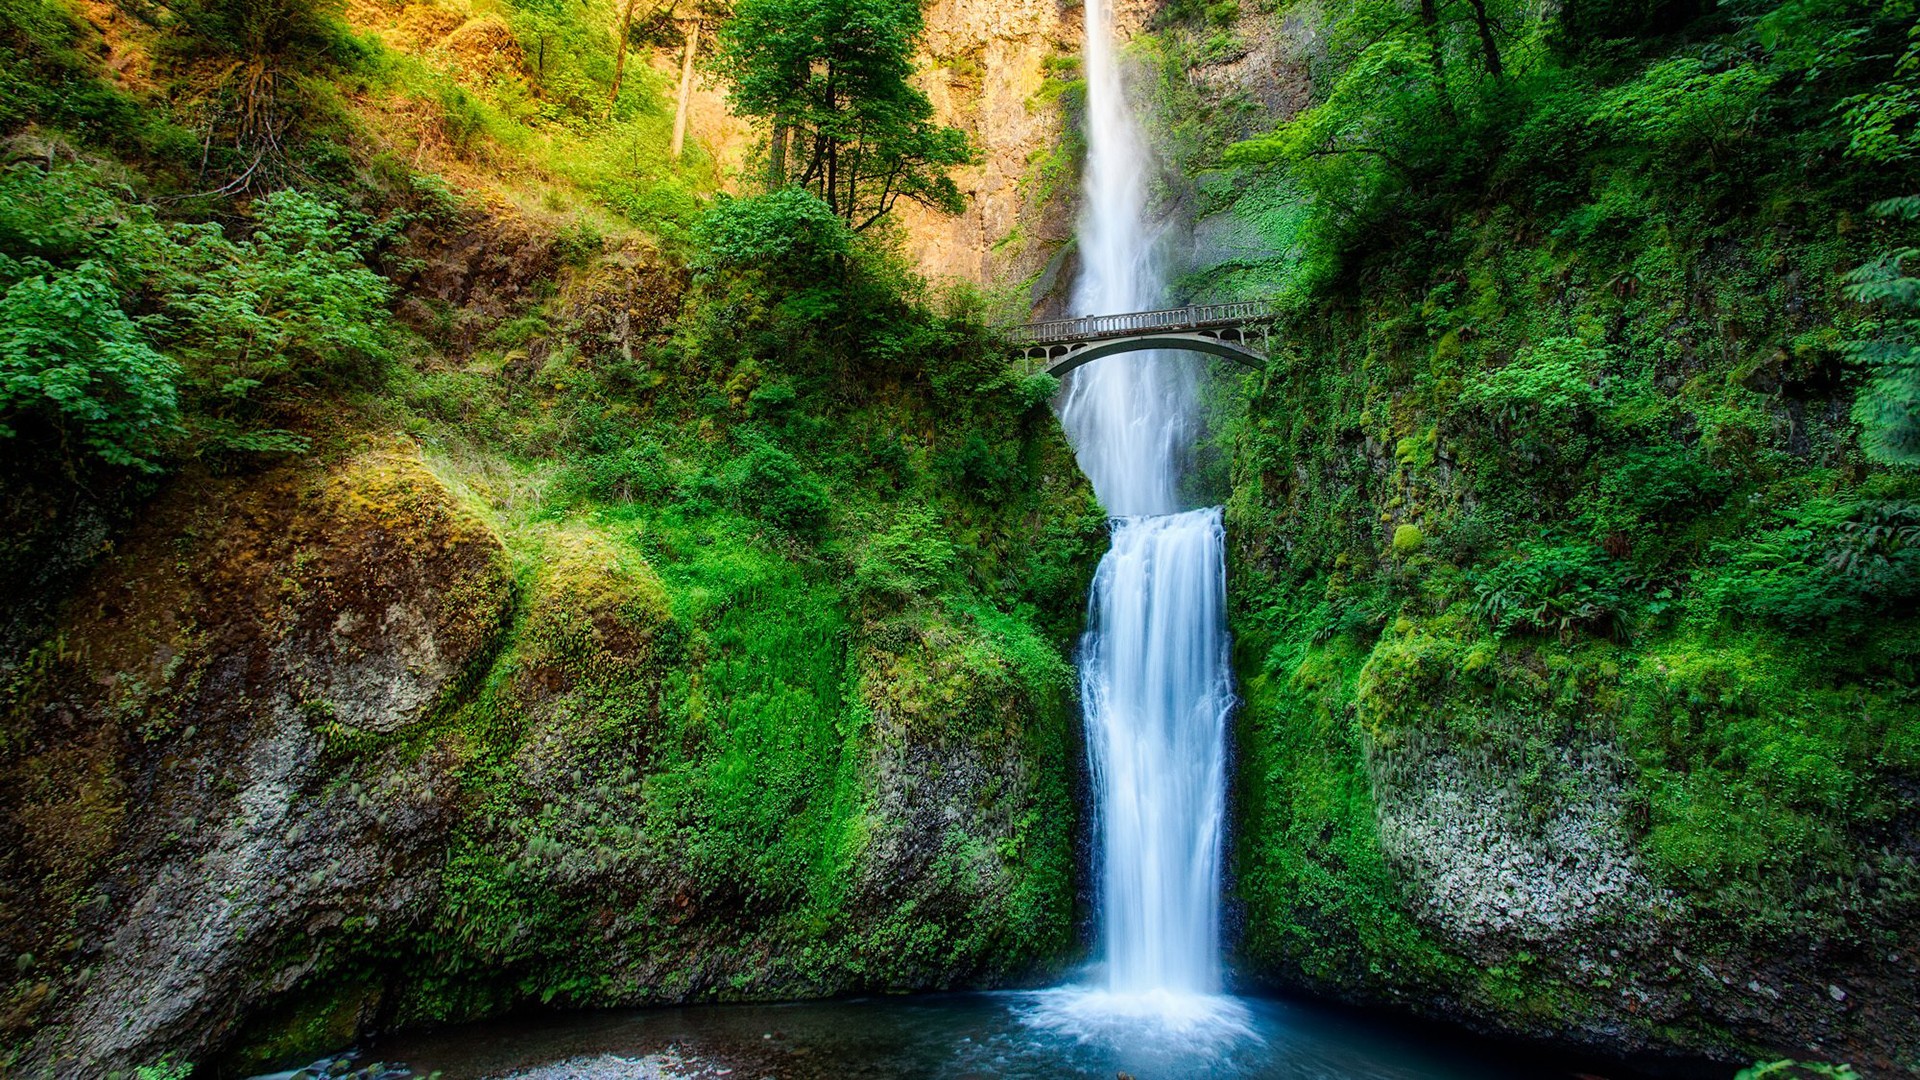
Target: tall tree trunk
(1487, 45)
(833, 152)
(777, 165)
(1430, 21)
(620, 53)
(686, 88)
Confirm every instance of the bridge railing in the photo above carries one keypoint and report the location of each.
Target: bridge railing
(1099, 326)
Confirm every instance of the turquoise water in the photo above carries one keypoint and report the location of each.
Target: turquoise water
(999, 1036)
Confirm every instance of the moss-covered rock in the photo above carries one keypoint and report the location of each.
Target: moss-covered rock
(221, 764)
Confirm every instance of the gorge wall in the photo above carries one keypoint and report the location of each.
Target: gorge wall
(1529, 741)
(648, 632)
(1567, 713)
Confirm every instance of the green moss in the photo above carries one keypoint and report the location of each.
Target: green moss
(1609, 525)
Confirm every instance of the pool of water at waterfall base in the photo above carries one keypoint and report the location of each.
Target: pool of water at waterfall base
(1030, 1035)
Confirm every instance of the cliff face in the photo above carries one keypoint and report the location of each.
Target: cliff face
(412, 730)
(214, 765)
(1567, 711)
(995, 70)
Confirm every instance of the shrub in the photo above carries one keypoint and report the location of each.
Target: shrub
(70, 357)
(295, 303)
(1543, 403)
(1682, 107)
(1546, 387)
(1825, 561)
(911, 556)
(45, 76)
(789, 230)
(624, 475)
(979, 464)
(1549, 585)
(1888, 408)
(766, 482)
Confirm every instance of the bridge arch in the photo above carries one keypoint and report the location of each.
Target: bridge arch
(1065, 358)
(1237, 331)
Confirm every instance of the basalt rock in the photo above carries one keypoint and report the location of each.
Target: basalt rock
(213, 769)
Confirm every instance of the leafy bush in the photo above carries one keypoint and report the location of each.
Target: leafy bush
(768, 483)
(911, 556)
(1827, 560)
(1788, 1069)
(978, 464)
(1888, 409)
(627, 474)
(243, 324)
(1548, 585)
(1682, 106)
(1647, 490)
(45, 76)
(1542, 405)
(72, 358)
(1546, 387)
(789, 231)
(251, 28)
(294, 304)
(1037, 391)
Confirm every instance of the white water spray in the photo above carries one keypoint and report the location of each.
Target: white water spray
(1155, 682)
(1156, 689)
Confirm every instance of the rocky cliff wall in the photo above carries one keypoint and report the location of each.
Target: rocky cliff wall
(419, 728)
(1576, 722)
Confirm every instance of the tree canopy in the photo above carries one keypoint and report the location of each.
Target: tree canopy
(832, 78)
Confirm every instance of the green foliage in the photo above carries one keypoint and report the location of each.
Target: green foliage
(294, 304)
(70, 357)
(1685, 107)
(1888, 408)
(73, 360)
(633, 472)
(1038, 390)
(833, 77)
(912, 555)
(789, 232)
(1823, 561)
(119, 332)
(1576, 322)
(1788, 1069)
(1546, 388)
(46, 76)
(769, 483)
(1550, 586)
(255, 29)
(1878, 122)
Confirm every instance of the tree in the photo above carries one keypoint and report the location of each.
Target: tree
(686, 88)
(832, 78)
(1879, 128)
(250, 93)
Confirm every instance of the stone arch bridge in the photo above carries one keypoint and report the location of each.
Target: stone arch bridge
(1238, 331)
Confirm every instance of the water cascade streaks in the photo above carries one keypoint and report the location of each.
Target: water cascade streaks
(1155, 682)
(1156, 687)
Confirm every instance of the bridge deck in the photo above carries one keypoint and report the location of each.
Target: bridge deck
(1100, 327)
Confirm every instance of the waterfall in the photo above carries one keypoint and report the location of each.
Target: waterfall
(1155, 682)
(1156, 689)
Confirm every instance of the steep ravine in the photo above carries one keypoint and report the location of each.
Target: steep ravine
(630, 645)
(370, 739)
(1567, 714)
